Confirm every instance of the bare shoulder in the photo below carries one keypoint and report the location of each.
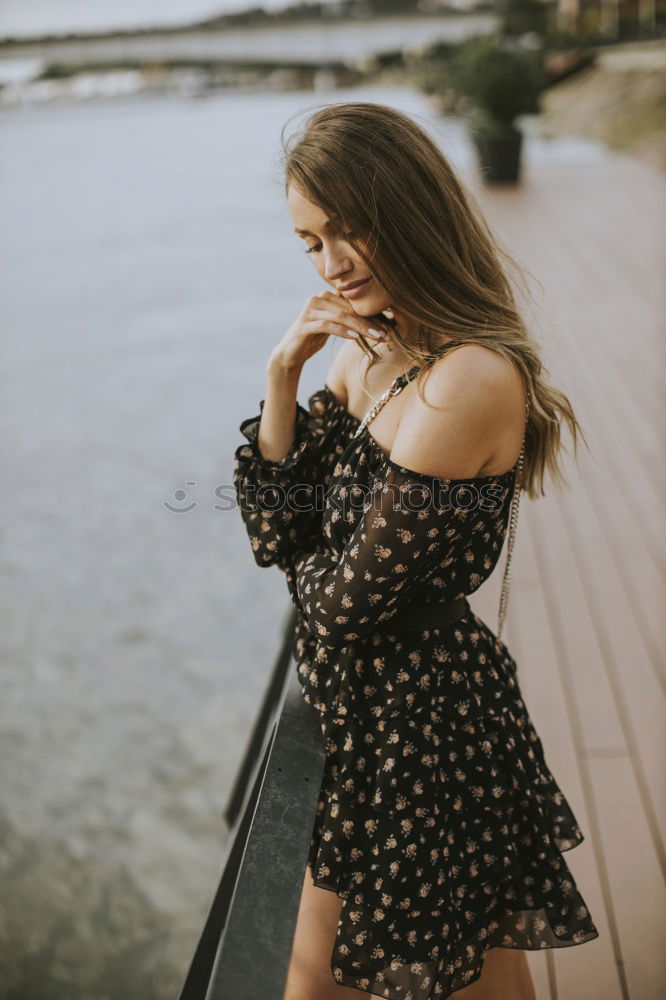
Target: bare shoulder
(470, 421)
(476, 376)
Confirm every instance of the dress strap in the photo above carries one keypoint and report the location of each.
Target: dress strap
(396, 386)
(513, 522)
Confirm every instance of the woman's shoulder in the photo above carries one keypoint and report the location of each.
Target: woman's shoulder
(468, 418)
(475, 370)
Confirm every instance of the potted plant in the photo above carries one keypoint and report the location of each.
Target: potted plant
(500, 81)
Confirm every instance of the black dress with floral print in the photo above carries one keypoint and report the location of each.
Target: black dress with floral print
(439, 823)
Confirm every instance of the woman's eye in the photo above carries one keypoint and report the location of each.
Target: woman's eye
(317, 247)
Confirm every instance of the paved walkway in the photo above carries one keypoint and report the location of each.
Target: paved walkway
(584, 622)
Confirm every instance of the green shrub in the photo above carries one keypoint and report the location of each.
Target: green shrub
(500, 81)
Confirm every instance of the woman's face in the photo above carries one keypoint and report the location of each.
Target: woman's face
(336, 260)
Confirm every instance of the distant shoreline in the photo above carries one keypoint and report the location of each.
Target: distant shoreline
(243, 20)
(195, 61)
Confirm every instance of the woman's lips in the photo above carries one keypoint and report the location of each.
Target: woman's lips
(353, 293)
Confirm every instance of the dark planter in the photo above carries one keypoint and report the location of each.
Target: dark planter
(499, 152)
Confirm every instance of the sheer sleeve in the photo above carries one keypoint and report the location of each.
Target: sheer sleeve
(407, 533)
(281, 502)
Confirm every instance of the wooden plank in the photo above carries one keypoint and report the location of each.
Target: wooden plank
(636, 694)
(634, 874)
(585, 269)
(641, 966)
(642, 584)
(602, 729)
(615, 448)
(619, 239)
(590, 971)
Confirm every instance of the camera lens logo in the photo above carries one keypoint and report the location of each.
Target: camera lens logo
(180, 496)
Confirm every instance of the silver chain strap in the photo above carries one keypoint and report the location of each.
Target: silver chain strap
(393, 390)
(513, 523)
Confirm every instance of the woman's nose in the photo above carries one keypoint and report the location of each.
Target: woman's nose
(336, 264)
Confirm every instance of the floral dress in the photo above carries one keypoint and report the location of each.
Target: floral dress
(439, 823)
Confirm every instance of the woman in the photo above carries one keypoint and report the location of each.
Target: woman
(436, 853)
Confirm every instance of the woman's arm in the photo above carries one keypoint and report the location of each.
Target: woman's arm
(280, 500)
(277, 427)
(279, 473)
(278, 419)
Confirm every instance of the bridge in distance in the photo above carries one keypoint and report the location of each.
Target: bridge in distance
(349, 41)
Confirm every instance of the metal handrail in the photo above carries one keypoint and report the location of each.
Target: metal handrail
(272, 696)
(245, 946)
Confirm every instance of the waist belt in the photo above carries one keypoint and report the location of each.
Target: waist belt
(420, 616)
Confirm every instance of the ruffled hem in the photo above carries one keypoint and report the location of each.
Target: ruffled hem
(425, 934)
(463, 802)
(444, 838)
(280, 501)
(323, 419)
(398, 963)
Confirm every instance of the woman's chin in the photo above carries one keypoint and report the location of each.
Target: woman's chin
(372, 306)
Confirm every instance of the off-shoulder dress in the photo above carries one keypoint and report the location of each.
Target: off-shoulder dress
(439, 823)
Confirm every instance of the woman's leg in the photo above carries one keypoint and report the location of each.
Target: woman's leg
(505, 976)
(309, 976)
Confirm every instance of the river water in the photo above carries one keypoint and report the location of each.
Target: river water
(149, 267)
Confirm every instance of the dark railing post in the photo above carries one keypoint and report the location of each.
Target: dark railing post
(198, 977)
(270, 703)
(255, 949)
(245, 946)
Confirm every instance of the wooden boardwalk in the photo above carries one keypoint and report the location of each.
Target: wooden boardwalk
(586, 615)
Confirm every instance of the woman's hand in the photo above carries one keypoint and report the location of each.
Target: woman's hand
(325, 315)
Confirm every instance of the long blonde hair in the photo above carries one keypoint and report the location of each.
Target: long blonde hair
(385, 180)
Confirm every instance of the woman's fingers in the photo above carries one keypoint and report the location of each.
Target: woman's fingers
(322, 316)
(350, 321)
(340, 328)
